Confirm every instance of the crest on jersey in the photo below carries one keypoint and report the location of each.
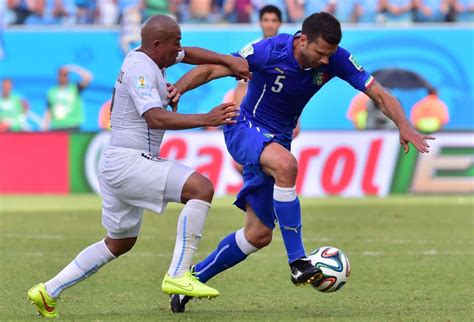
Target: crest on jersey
(246, 51)
(320, 78)
(355, 62)
(143, 86)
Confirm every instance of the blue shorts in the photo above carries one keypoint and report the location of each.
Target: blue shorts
(245, 142)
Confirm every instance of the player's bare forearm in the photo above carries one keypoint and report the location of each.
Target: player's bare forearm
(388, 104)
(158, 118)
(201, 75)
(200, 56)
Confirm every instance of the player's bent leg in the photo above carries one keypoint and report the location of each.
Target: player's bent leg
(235, 247)
(282, 166)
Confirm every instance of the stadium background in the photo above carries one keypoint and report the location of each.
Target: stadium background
(425, 231)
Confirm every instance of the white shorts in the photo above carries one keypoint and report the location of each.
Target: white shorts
(133, 180)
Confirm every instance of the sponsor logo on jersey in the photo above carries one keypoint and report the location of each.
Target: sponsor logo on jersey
(355, 62)
(246, 51)
(279, 70)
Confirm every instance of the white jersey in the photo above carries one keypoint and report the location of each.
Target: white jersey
(139, 87)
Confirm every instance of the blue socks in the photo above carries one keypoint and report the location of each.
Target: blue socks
(288, 211)
(231, 250)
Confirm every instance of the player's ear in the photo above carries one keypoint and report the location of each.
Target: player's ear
(303, 40)
(156, 43)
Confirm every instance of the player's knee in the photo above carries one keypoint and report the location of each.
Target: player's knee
(260, 239)
(203, 190)
(198, 187)
(120, 246)
(287, 169)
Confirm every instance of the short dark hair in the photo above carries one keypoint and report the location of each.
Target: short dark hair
(270, 9)
(322, 24)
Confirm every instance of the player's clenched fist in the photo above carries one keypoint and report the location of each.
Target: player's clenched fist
(222, 114)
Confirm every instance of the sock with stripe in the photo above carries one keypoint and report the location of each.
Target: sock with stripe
(233, 249)
(84, 265)
(288, 211)
(188, 234)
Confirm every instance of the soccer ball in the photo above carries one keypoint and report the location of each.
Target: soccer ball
(334, 265)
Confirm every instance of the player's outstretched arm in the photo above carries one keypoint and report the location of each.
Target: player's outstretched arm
(201, 75)
(390, 106)
(158, 118)
(200, 56)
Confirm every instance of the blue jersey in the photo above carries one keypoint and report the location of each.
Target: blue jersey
(280, 88)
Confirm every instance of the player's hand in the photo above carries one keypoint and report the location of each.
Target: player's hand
(173, 96)
(409, 135)
(240, 68)
(222, 114)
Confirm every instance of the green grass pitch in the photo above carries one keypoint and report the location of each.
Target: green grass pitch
(411, 259)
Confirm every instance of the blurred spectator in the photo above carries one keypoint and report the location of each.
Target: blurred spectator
(200, 10)
(85, 11)
(296, 10)
(430, 114)
(451, 10)
(421, 12)
(238, 11)
(467, 10)
(107, 12)
(357, 112)
(130, 29)
(58, 12)
(393, 11)
(64, 100)
(23, 9)
(13, 109)
(159, 7)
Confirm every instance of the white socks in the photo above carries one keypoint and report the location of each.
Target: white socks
(84, 265)
(190, 225)
(243, 243)
(284, 194)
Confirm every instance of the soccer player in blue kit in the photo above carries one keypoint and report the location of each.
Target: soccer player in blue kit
(287, 71)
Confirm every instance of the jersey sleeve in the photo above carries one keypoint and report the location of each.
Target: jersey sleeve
(346, 67)
(141, 84)
(257, 54)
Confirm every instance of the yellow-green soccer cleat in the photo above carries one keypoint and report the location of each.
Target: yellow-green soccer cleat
(45, 304)
(187, 284)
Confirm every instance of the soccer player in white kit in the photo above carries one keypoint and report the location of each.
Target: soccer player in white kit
(131, 175)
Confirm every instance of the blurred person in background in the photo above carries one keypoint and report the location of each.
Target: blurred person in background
(64, 109)
(394, 11)
(85, 11)
(107, 12)
(159, 7)
(424, 10)
(130, 28)
(238, 11)
(13, 109)
(296, 10)
(451, 10)
(200, 11)
(23, 9)
(429, 114)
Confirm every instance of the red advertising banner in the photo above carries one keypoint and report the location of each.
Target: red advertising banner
(34, 163)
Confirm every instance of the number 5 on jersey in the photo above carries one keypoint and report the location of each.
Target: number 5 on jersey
(278, 85)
